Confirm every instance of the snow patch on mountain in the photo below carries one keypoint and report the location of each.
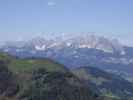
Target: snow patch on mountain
(40, 48)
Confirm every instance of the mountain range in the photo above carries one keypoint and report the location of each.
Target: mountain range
(75, 51)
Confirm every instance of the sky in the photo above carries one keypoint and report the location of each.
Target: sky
(23, 19)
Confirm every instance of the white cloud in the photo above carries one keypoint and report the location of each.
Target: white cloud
(51, 3)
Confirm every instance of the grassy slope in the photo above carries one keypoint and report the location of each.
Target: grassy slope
(23, 72)
(28, 65)
(23, 68)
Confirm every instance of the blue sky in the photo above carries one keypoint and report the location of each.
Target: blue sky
(28, 18)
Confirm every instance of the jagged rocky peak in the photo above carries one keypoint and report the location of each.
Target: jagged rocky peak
(38, 43)
(96, 42)
(83, 40)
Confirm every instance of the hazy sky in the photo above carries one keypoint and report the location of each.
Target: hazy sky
(28, 18)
